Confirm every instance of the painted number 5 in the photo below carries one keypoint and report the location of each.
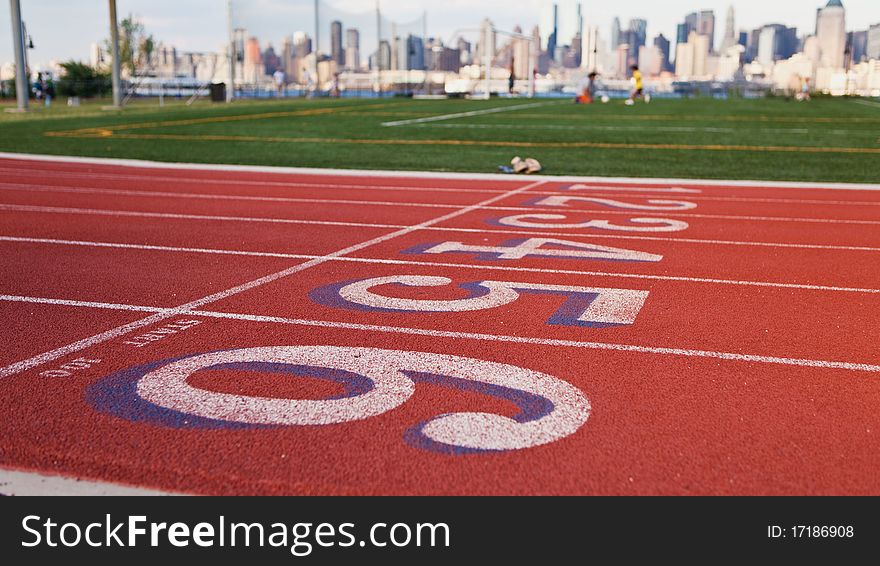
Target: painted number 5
(585, 306)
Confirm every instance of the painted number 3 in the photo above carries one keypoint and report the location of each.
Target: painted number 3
(374, 381)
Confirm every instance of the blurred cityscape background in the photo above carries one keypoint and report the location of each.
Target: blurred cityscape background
(313, 48)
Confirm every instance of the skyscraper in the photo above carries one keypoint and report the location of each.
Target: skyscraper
(661, 43)
(776, 42)
(352, 49)
(831, 34)
(638, 30)
(857, 45)
(730, 38)
(615, 33)
(873, 47)
(703, 23)
(336, 52)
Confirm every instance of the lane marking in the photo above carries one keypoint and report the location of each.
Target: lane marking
(60, 210)
(384, 261)
(643, 129)
(494, 110)
(73, 303)
(136, 214)
(825, 364)
(18, 482)
(610, 191)
(479, 143)
(627, 192)
(282, 184)
(415, 175)
(536, 208)
(192, 305)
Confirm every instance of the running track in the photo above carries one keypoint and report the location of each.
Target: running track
(239, 331)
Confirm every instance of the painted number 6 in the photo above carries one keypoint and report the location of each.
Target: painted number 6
(549, 409)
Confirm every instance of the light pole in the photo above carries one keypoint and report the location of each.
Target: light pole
(114, 45)
(21, 78)
(230, 88)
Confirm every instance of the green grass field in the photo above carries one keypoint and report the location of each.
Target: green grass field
(771, 139)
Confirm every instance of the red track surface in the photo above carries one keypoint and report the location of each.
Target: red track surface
(751, 368)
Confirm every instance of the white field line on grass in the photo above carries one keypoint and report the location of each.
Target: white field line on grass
(485, 111)
(534, 210)
(683, 352)
(415, 175)
(192, 305)
(647, 129)
(125, 213)
(413, 263)
(599, 192)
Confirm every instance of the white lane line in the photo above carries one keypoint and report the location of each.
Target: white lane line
(494, 110)
(488, 230)
(72, 303)
(646, 129)
(207, 196)
(136, 214)
(22, 187)
(192, 305)
(17, 482)
(415, 263)
(149, 247)
(825, 364)
(242, 183)
(627, 192)
(657, 239)
(853, 366)
(416, 175)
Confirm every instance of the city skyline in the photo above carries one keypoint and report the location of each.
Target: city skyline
(55, 39)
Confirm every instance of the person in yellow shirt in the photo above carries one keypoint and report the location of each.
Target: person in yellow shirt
(638, 87)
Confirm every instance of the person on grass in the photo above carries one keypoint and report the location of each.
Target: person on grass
(588, 91)
(638, 90)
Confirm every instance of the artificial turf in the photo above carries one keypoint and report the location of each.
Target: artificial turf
(768, 139)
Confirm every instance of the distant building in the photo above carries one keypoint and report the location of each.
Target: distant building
(352, 49)
(661, 43)
(302, 45)
(831, 34)
(650, 60)
(381, 60)
(776, 42)
(692, 57)
(730, 37)
(336, 52)
(638, 30)
(872, 48)
(857, 46)
(411, 53)
(615, 33)
(702, 23)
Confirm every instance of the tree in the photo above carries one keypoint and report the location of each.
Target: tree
(80, 79)
(135, 45)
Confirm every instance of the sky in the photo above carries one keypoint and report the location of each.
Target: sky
(63, 29)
